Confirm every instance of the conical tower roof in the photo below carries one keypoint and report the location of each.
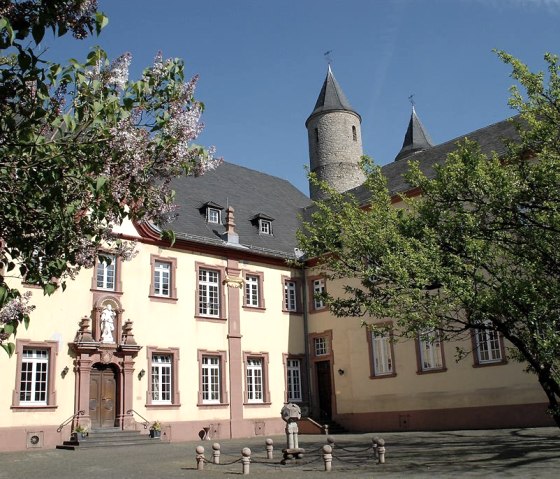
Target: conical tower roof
(415, 139)
(331, 98)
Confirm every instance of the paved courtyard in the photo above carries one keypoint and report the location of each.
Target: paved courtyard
(520, 453)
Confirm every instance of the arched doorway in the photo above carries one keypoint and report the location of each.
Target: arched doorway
(103, 396)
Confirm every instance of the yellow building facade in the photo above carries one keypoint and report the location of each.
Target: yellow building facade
(213, 335)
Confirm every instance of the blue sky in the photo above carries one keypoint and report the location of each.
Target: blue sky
(261, 65)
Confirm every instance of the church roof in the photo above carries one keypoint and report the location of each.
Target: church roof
(331, 98)
(415, 139)
(251, 194)
(490, 139)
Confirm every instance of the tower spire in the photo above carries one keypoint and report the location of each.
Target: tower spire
(416, 137)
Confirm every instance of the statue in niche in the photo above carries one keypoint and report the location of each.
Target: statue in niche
(107, 324)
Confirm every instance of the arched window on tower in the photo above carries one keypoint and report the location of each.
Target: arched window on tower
(316, 135)
(354, 133)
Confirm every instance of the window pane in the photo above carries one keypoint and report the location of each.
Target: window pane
(34, 376)
(162, 276)
(294, 379)
(161, 378)
(208, 292)
(290, 296)
(254, 380)
(106, 273)
(252, 291)
(382, 357)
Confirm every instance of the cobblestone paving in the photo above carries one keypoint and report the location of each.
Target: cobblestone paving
(519, 453)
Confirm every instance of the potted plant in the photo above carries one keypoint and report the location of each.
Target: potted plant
(80, 432)
(155, 429)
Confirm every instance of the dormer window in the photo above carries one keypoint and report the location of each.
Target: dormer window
(263, 222)
(212, 211)
(265, 227)
(213, 215)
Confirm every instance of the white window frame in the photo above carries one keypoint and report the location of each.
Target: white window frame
(290, 295)
(255, 380)
(318, 288)
(209, 292)
(34, 378)
(382, 354)
(488, 346)
(431, 353)
(293, 378)
(213, 215)
(265, 227)
(162, 278)
(252, 290)
(211, 379)
(321, 346)
(162, 378)
(106, 274)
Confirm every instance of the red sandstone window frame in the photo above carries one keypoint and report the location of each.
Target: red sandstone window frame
(52, 348)
(371, 349)
(326, 336)
(172, 297)
(222, 357)
(265, 382)
(221, 316)
(175, 395)
(118, 274)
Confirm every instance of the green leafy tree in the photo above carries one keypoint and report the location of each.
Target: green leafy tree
(82, 148)
(478, 251)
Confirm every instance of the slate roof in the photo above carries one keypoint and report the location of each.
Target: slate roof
(415, 139)
(252, 195)
(490, 138)
(255, 195)
(331, 98)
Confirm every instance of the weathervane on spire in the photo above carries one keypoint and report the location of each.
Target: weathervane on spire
(328, 57)
(411, 99)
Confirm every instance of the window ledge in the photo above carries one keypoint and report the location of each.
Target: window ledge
(163, 406)
(431, 371)
(489, 364)
(259, 309)
(29, 408)
(213, 406)
(384, 376)
(212, 319)
(162, 299)
(106, 291)
(257, 404)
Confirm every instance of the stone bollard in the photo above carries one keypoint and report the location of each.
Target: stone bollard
(269, 448)
(200, 458)
(327, 457)
(381, 451)
(374, 445)
(326, 429)
(246, 460)
(330, 441)
(216, 453)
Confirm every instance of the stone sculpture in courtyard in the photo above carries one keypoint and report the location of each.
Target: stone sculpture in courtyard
(291, 414)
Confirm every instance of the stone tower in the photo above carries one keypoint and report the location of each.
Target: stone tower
(335, 140)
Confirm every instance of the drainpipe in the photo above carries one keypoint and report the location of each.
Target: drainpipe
(306, 334)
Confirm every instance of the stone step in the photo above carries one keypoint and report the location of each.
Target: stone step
(109, 438)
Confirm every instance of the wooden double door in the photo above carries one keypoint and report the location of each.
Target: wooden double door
(103, 396)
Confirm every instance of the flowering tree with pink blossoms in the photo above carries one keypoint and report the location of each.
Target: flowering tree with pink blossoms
(82, 148)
